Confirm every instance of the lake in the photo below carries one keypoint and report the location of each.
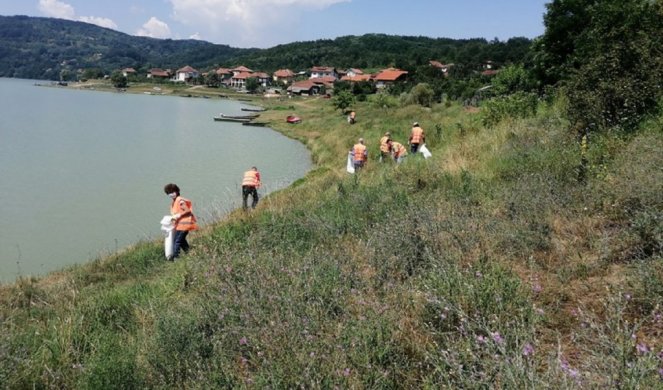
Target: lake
(82, 172)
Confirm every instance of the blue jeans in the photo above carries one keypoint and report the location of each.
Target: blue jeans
(180, 243)
(414, 148)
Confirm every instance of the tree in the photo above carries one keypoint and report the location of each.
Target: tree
(252, 84)
(118, 80)
(511, 79)
(607, 56)
(343, 100)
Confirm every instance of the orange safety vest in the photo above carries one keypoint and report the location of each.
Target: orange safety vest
(359, 151)
(384, 146)
(399, 149)
(251, 178)
(188, 222)
(417, 135)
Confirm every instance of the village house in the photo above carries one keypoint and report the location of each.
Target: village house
(283, 76)
(309, 87)
(444, 68)
(354, 72)
(186, 74)
(126, 72)
(357, 77)
(238, 80)
(158, 74)
(388, 77)
(324, 72)
(224, 73)
(262, 77)
(241, 69)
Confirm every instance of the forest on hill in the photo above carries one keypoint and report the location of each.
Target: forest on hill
(42, 48)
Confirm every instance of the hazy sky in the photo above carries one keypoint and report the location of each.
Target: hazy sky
(266, 23)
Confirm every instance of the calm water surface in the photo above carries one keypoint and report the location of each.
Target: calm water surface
(82, 172)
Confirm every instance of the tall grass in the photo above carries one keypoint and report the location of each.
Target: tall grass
(488, 266)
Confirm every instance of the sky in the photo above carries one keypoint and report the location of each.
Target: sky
(267, 23)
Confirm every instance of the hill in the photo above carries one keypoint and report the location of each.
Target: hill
(41, 48)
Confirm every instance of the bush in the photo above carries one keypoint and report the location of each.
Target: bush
(518, 105)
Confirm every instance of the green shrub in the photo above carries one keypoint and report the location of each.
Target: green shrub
(517, 105)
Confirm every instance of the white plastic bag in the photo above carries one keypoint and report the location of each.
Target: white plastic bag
(350, 167)
(168, 228)
(424, 150)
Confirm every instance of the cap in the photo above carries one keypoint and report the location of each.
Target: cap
(415, 124)
(388, 134)
(361, 140)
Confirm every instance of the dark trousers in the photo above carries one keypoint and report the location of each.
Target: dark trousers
(246, 191)
(180, 242)
(414, 148)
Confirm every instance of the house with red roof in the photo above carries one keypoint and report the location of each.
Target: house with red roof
(241, 69)
(186, 74)
(158, 74)
(323, 71)
(263, 78)
(238, 80)
(444, 68)
(128, 71)
(389, 76)
(283, 76)
(224, 73)
(309, 87)
(357, 78)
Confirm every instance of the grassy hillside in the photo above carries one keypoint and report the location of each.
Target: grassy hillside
(488, 265)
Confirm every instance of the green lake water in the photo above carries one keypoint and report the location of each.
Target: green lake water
(82, 172)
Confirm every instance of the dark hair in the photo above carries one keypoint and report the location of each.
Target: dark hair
(170, 187)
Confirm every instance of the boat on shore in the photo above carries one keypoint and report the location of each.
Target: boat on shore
(251, 116)
(222, 119)
(251, 123)
(253, 109)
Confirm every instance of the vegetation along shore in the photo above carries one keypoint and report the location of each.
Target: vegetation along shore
(526, 253)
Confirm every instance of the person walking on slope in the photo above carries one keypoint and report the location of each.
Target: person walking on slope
(359, 154)
(352, 117)
(250, 185)
(417, 137)
(181, 211)
(398, 151)
(385, 146)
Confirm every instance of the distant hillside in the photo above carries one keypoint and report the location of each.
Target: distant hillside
(41, 48)
(380, 50)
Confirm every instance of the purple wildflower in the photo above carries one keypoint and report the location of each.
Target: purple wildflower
(660, 372)
(481, 339)
(346, 372)
(243, 341)
(528, 350)
(497, 338)
(642, 348)
(536, 287)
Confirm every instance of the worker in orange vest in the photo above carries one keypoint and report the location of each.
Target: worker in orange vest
(181, 212)
(398, 151)
(417, 137)
(385, 146)
(359, 154)
(250, 185)
(352, 117)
